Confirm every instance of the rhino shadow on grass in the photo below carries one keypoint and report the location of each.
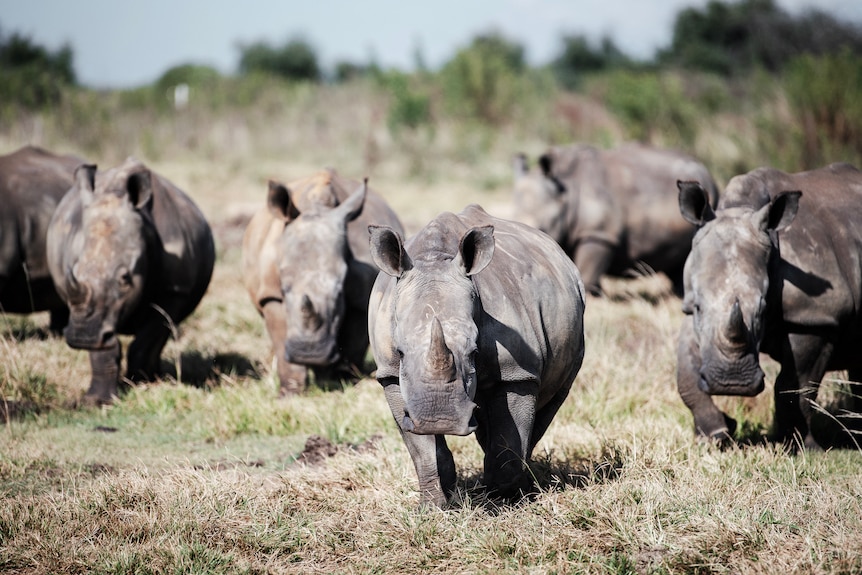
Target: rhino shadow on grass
(550, 473)
(205, 371)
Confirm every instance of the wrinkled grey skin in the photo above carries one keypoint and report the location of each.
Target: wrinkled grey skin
(476, 324)
(131, 254)
(32, 183)
(308, 270)
(776, 269)
(613, 211)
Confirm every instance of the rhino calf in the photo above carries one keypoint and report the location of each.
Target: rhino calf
(777, 268)
(32, 183)
(130, 253)
(613, 211)
(308, 270)
(476, 324)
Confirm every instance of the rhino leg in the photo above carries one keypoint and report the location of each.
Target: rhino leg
(546, 414)
(435, 466)
(146, 350)
(105, 374)
(593, 258)
(855, 376)
(292, 377)
(506, 421)
(59, 320)
(709, 421)
(804, 361)
(353, 338)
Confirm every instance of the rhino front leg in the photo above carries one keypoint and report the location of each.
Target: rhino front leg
(709, 421)
(105, 374)
(506, 421)
(593, 258)
(803, 365)
(292, 377)
(435, 466)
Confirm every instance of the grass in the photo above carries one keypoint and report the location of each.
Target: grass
(207, 470)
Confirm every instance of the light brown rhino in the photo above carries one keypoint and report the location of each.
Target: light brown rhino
(32, 183)
(776, 269)
(476, 324)
(613, 211)
(308, 270)
(131, 254)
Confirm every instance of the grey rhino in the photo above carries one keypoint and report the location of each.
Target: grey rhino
(476, 325)
(613, 211)
(32, 183)
(776, 269)
(308, 270)
(131, 254)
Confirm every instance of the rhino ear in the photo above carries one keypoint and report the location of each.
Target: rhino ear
(780, 211)
(139, 187)
(351, 208)
(694, 203)
(476, 249)
(387, 251)
(85, 180)
(279, 202)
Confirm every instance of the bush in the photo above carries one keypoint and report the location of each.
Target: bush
(826, 95)
(30, 75)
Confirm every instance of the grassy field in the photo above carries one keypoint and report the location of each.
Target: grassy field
(208, 471)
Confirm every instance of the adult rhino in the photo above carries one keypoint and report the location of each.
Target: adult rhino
(131, 254)
(308, 270)
(776, 269)
(32, 183)
(476, 325)
(613, 211)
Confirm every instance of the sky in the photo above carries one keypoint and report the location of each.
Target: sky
(119, 44)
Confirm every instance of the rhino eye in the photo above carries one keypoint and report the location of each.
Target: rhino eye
(400, 353)
(125, 279)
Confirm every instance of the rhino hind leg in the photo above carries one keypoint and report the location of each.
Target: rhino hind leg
(506, 422)
(105, 373)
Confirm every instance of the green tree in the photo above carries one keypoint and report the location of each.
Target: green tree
(31, 75)
(481, 80)
(733, 37)
(296, 59)
(578, 57)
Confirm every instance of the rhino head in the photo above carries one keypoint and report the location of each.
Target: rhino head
(434, 332)
(106, 281)
(539, 197)
(314, 258)
(727, 285)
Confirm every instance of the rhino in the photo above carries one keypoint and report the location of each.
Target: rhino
(308, 270)
(32, 183)
(613, 211)
(777, 269)
(476, 324)
(130, 253)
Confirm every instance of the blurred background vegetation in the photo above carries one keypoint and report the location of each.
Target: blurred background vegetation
(740, 84)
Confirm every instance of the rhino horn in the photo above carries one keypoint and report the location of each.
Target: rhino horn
(736, 330)
(310, 317)
(439, 357)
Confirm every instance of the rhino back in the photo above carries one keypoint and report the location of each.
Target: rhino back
(821, 251)
(532, 303)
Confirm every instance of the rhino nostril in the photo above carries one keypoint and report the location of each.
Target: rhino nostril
(107, 336)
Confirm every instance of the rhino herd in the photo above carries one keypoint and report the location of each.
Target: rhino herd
(475, 323)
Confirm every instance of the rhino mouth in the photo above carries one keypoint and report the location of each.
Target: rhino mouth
(439, 426)
(311, 353)
(89, 336)
(740, 389)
